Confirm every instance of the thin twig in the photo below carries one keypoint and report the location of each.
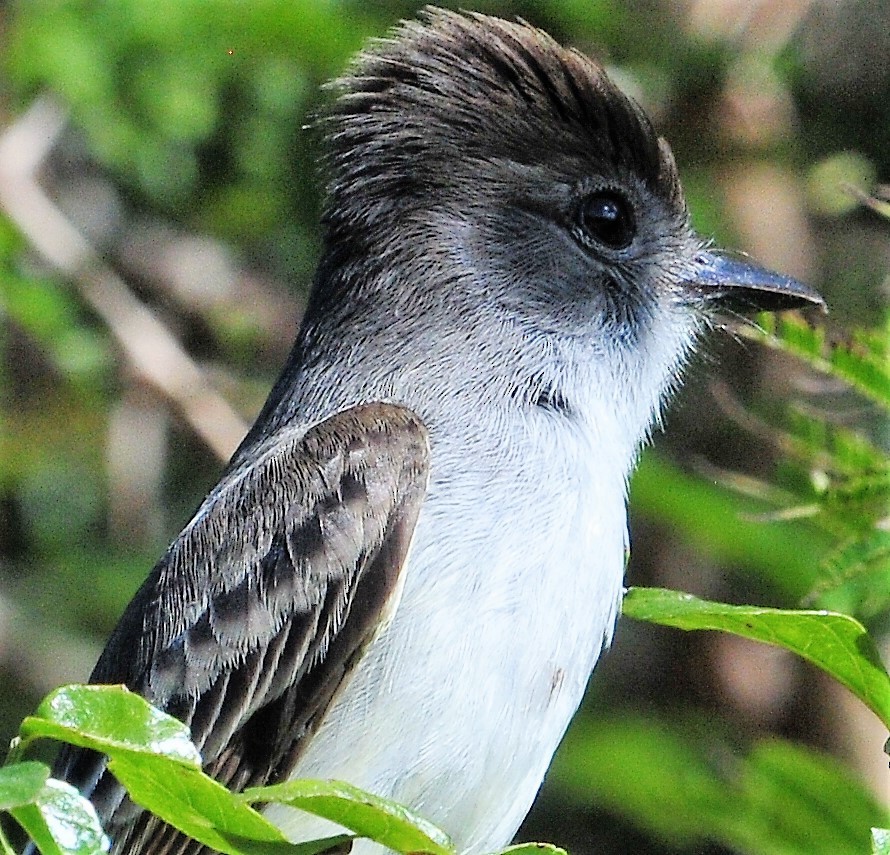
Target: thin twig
(152, 350)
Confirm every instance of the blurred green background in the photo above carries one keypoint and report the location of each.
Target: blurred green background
(172, 138)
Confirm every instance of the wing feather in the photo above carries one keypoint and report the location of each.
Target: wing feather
(252, 620)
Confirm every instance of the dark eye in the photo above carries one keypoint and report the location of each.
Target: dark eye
(607, 219)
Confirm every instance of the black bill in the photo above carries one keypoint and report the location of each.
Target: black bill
(742, 285)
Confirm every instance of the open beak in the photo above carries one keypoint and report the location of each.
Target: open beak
(745, 286)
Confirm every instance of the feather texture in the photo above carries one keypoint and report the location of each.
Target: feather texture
(252, 620)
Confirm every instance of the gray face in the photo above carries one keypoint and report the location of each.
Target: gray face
(508, 171)
(478, 167)
(584, 250)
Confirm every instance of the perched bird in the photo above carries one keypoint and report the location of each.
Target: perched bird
(410, 566)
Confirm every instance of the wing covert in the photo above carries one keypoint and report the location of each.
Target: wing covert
(253, 618)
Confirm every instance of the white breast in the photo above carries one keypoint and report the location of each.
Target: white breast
(512, 590)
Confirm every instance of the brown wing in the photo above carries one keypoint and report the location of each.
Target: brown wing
(248, 625)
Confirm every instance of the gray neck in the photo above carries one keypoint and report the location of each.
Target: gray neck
(480, 371)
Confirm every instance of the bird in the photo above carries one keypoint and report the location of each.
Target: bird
(413, 561)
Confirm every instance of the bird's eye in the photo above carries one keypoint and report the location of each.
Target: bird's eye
(606, 218)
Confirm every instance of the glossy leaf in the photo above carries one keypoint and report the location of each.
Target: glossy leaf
(197, 805)
(385, 822)
(109, 719)
(62, 822)
(880, 841)
(20, 783)
(533, 849)
(836, 643)
(150, 753)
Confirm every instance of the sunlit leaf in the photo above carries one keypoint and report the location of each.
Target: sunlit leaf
(62, 822)
(533, 849)
(384, 821)
(880, 841)
(198, 806)
(20, 783)
(109, 719)
(834, 642)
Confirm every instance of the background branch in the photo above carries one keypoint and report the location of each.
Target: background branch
(151, 349)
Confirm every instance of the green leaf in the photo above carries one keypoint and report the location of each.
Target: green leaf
(803, 796)
(109, 719)
(20, 783)
(821, 443)
(152, 755)
(657, 776)
(880, 841)
(367, 815)
(197, 805)
(836, 643)
(862, 362)
(856, 558)
(864, 497)
(533, 849)
(62, 822)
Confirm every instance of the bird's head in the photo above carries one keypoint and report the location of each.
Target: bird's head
(502, 176)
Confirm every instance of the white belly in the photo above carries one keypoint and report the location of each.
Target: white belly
(458, 705)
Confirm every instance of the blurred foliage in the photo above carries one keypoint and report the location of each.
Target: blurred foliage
(775, 799)
(188, 118)
(196, 107)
